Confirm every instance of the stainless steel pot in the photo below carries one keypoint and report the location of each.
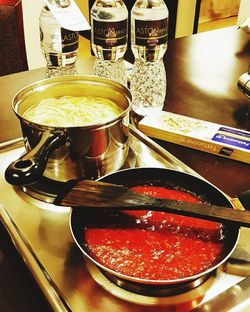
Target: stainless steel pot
(65, 153)
(81, 218)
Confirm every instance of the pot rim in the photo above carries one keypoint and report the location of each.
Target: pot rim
(39, 85)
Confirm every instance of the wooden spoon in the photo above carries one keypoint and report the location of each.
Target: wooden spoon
(96, 194)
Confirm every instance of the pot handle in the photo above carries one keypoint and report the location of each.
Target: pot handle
(29, 167)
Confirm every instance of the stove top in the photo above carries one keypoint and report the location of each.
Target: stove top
(41, 234)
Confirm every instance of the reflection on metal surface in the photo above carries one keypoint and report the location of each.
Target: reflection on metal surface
(146, 148)
(180, 297)
(43, 204)
(41, 234)
(46, 190)
(236, 297)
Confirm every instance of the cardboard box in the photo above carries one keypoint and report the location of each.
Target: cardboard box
(198, 134)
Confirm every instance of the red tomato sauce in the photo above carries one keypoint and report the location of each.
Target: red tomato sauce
(155, 245)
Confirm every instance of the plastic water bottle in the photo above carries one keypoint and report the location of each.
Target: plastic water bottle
(149, 37)
(109, 23)
(59, 45)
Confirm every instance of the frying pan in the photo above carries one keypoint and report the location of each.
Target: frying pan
(79, 218)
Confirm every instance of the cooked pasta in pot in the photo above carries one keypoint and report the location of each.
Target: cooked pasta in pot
(70, 111)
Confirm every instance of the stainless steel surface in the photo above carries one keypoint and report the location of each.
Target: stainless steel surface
(41, 234)
(236, 298)
(83, 151)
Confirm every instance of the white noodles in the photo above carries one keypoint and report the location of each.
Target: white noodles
(70, 111)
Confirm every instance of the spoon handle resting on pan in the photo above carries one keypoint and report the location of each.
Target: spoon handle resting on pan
(88, 194)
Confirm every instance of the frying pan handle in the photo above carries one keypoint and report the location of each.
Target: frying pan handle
(30, 167)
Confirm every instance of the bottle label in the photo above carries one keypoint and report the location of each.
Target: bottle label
(69, 40)
(151, 33)
(59, 45)
(110, 34)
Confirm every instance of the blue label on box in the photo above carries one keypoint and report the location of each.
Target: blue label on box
(233, 137)
(243, 134)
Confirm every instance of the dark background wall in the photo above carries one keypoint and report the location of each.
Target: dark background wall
(12, 47)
